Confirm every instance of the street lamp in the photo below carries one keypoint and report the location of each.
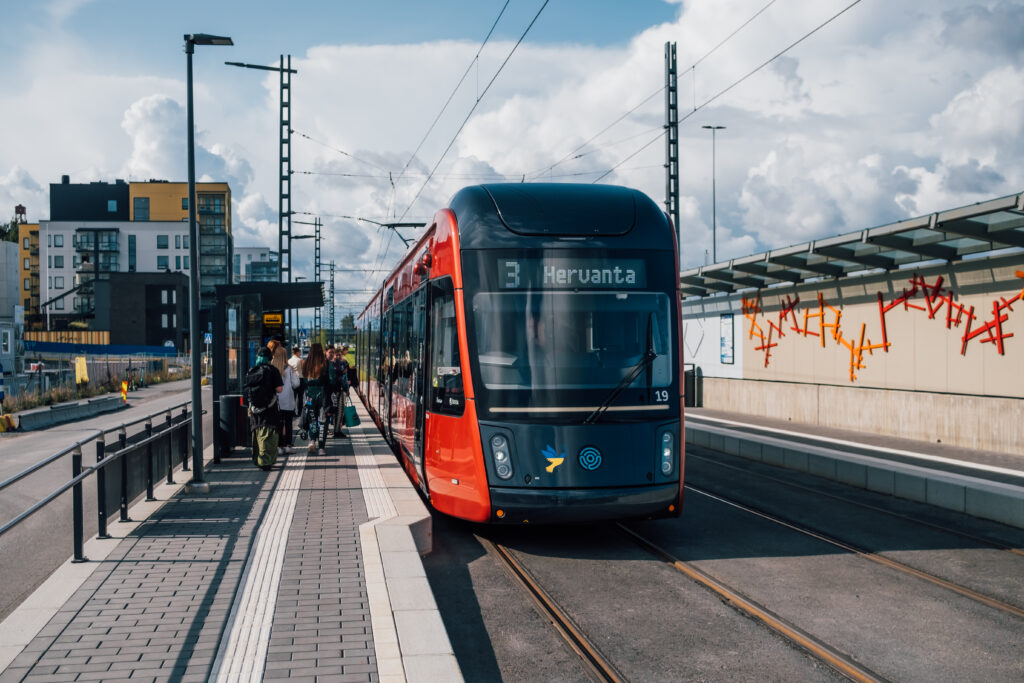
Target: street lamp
(714, 212)
(198, 482)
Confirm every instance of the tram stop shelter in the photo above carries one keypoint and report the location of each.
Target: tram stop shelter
(245, 317)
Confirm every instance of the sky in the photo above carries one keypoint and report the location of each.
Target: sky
(839, 115)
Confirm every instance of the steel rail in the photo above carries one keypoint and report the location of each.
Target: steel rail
(597, 665)
(962, 534)
(839, 661)
(989, 601)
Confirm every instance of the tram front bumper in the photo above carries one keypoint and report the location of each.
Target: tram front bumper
(561, 506)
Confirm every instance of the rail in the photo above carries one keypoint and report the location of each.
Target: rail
(170, 432)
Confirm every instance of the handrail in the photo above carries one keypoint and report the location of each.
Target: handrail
(78, 444)
(80, 474)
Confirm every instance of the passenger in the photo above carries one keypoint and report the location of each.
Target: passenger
(286, 400)
(318, 384)
(295, 362)
(263, 384)
(339, 388)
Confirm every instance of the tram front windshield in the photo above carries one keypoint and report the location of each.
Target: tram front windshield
(557, 336)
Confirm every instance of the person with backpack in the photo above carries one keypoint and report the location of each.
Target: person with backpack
(262, 385)
(318, 394)
(339, 388)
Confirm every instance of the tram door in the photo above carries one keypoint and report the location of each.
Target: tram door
(419, 388)
(390, 349)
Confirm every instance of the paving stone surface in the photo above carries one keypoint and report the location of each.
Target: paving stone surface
(156, 608)
(322, 623)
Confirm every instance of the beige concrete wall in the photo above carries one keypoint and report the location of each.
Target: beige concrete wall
(922, 354)
(979, 422)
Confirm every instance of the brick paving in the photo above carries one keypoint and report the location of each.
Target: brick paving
(321, 628)
(156, 608)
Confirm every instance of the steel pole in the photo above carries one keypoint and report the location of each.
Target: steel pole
(193, 301)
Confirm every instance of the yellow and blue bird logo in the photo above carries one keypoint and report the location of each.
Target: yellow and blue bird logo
(553, 458)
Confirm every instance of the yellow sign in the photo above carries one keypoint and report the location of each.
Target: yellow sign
(124, 391)
(81, 371)
(274, 319)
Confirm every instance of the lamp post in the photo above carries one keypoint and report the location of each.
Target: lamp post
(714, 208)
(316, 264)
(198, 482)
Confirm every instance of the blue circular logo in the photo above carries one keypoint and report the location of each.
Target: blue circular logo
(590, 458)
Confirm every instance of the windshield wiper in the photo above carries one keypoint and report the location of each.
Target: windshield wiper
(643, 363)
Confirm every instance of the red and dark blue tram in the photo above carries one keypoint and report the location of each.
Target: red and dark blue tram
(524, 359)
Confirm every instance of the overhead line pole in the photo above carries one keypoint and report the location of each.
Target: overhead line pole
(284, 171)
(672, 142)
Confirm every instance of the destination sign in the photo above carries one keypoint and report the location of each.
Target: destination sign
(571, 273)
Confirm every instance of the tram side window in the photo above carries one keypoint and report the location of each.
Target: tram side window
(446, 395)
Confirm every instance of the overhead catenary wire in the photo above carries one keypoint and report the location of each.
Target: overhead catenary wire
(458, 85)
(740, 80)
(572, 154)
(473, 108)
(340, 151)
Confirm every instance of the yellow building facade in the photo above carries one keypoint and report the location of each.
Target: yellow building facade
(28, 258)
(159, 200)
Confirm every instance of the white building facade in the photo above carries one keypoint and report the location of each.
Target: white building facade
(71, 251)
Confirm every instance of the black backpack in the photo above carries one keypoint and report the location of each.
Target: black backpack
(260, 391)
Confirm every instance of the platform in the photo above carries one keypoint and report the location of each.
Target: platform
(309, 572)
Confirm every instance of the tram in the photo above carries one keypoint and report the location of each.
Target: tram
(524, 359)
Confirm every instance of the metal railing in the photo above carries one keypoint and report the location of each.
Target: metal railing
(173, 430)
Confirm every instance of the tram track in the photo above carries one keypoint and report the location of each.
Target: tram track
(597, 665)
(992, 543)
(964, 591)
(838, 660)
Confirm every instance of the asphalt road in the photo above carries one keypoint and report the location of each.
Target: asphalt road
(35, 548)
(654, 623)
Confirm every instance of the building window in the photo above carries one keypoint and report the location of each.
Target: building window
(111, 206)
(184, 241)
(28, 264)
(75, 261)
(5, 341)
(58, 240)
(184, 203)
(186, 261)
(177, 262)
(24, 243)
(49, 240)
(58, 282)
(163, 296)
(58, 261)
(28, 285)
(174, 296)
(131, 253)
(174, 319)
(142, 208)
(161, 263)
(177, 241)
(161, 242)
(49, 282)
(49, 262)
(59, 304)
(163, 320)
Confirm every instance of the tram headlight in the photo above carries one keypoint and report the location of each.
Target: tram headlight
(500, 455)
(667, 453)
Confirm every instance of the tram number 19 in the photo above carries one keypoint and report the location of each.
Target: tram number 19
(661, 396)
(511, 274)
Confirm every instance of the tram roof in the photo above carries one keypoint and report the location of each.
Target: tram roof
(975, 231)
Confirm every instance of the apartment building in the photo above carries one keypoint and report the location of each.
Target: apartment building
(254, 264)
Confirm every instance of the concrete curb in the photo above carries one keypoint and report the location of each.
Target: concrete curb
(43, 418)
(409, 636)
(961, 493)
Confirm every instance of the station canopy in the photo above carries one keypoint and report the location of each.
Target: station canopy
(278, 295)
(968, 232)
